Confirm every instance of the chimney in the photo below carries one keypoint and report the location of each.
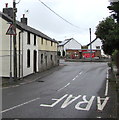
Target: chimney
(24, 20)
(8, 11)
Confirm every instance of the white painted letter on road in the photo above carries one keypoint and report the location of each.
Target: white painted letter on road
(89, 103)
(69, 100)
(57, 101)
(99, 105)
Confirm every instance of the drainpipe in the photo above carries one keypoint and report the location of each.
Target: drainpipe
(20, 53)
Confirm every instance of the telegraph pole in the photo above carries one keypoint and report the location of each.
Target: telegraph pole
(90, 45)
(14, 41)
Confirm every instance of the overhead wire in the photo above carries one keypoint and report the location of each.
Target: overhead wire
(18, 2)
(59, 15)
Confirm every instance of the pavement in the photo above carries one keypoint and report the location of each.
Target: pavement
(87, 60)
(6, 83)
(117, 87)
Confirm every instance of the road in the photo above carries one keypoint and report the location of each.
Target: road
(74, 90)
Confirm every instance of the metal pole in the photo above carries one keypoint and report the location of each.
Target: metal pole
(14, 41)
(90, 45)
(22, 54)
(10, 58)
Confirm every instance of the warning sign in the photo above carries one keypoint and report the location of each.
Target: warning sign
(11, 30)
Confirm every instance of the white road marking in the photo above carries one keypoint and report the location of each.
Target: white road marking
(80, 73)
(99, 117)
(69, 99)
(19, 105)
(63, 87)
(74, 79)
(70, 83)
(88, 106)
(15, 86)
(107, 81)
(57, 101)
(101, 105)
(77, 76)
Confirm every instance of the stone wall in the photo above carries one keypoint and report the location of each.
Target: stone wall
(46, 60)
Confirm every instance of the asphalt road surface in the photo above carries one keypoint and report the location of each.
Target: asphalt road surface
(73, 90)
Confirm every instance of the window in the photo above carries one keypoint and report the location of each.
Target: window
(42, 41)
(51, 43)
(28, 58)
(28, 38)
(51, 57)
(34, 39)
(41, 58)
(46, 42)
(97, 47)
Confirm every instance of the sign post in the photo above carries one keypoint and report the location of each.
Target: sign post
(10, 58)
(90, 45)
(11, 31)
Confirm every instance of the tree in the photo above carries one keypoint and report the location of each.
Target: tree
(114, 7)
(103, 31)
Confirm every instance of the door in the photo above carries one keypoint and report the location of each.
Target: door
(35, 61)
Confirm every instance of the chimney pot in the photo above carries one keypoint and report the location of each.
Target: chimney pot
(6, 5)
(24, 20)
(23, 15)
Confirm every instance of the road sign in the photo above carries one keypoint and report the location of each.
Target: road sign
(11, 30)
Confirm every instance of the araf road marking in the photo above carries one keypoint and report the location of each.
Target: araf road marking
(87, 103)
(19, 105)
(99, 105)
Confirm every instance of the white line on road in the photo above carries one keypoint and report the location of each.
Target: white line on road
(70, 83)
(77, 76)
(107, 81)
(19, 105)
(80, 73)
(64, 87)
(73, 79)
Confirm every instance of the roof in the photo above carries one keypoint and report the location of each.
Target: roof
(91, 42)
(26, 27)
(66, 41)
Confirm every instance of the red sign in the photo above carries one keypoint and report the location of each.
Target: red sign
(88, 53)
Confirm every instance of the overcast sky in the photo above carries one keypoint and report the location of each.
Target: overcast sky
(82, 13)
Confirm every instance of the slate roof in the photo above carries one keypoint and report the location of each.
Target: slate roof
(22, 26)
(66, 41)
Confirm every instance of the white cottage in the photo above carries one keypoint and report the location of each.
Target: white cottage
(30, 44)
(96, 45)
(68, 44)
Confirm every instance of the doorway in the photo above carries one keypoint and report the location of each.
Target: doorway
(35, 61)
